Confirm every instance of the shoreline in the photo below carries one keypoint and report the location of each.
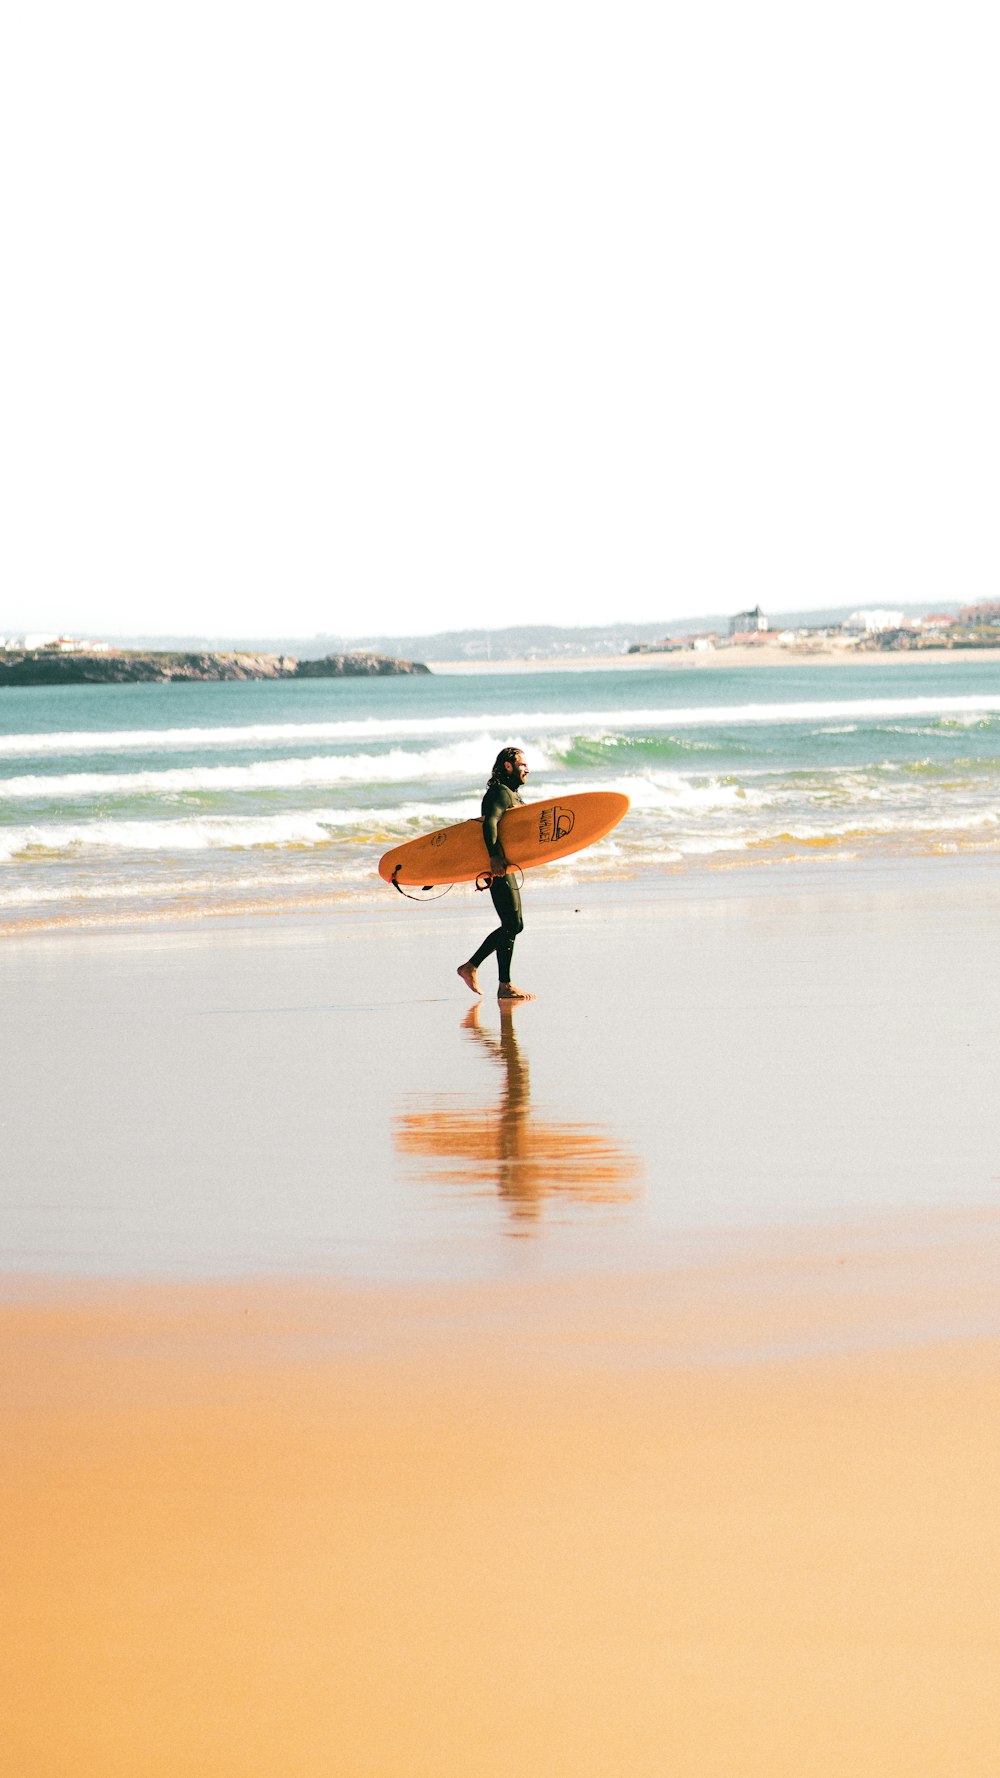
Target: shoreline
(751, 870)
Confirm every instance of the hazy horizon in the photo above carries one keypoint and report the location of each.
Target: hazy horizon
(508, 641)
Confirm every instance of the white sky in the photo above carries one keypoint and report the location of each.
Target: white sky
(396, 317)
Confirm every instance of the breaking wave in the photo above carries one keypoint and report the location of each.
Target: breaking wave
(314, 827)
(318, 772)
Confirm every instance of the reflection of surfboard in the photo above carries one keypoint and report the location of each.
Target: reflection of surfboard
(537, 833)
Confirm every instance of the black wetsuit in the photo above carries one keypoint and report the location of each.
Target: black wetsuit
(504, 891)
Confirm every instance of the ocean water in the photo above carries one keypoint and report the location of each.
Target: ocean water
(119, 802)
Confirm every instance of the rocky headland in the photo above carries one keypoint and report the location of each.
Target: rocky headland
(47, 666)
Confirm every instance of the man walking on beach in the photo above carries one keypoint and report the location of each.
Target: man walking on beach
(508, 775)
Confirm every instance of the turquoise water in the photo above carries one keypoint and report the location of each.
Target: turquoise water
(121, 800)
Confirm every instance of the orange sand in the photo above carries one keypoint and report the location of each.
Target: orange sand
(260, 1531)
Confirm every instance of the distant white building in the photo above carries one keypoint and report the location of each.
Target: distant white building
(61, 644)
(868, 622)
(745, 623)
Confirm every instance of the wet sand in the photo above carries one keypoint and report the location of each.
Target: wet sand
(615, 1391)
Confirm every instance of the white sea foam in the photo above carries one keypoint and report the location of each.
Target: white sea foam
(667, 809)
(314, 827)
(661, 792)
(256, 735)
(462, 760)
(516, 725)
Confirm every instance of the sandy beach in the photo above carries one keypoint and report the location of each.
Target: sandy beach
(736, 654)
(396, 1389)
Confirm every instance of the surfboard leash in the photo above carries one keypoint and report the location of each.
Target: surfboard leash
(482, 882)
(485, 877)
(424, 895)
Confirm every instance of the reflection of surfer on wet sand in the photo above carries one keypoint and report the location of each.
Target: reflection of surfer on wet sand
(510, 1148)
(513, 1112)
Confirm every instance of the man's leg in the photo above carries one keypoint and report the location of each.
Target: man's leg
(507, 901)
(467, 971)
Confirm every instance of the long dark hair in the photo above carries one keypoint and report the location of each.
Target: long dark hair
(505, 757)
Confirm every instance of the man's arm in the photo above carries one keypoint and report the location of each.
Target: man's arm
(494, 805)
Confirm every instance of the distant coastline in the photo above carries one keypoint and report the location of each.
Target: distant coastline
(728, 655)
(48, 667)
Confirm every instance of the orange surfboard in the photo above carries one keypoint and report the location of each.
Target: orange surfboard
(536, 833)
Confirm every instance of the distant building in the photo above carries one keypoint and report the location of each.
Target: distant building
(986, 613)
(59, 644)
(870, 622)
(747, 623)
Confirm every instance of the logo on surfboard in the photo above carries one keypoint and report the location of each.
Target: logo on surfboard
(555, 823)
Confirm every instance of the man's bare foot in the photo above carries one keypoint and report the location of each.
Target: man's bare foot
(507, 991)
(467, 971)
